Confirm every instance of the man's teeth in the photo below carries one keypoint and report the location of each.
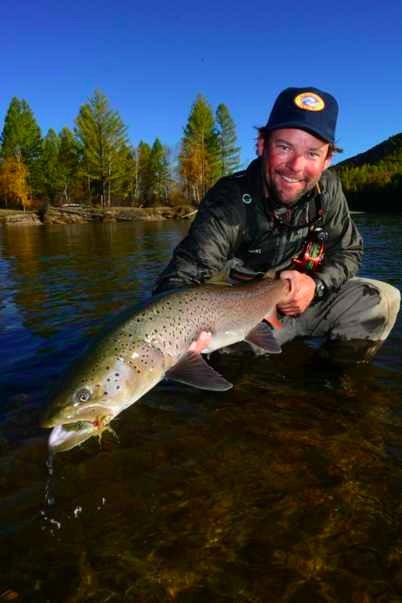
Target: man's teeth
(291, 180)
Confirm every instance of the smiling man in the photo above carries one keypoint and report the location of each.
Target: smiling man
(294, 163)
(286, 213)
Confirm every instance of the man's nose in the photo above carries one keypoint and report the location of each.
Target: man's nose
(296, 163)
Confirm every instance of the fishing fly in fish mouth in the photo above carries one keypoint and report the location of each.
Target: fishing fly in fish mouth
(163, 339)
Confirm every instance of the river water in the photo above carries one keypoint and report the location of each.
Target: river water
(286, 488)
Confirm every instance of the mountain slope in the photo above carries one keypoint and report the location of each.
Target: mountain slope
(388, 149)
(372, 180)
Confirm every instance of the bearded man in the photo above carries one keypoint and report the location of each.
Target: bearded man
(287, 214)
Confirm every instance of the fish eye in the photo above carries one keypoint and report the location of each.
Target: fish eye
(83, 395)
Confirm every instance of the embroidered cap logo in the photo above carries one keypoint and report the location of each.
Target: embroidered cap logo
(309, 101)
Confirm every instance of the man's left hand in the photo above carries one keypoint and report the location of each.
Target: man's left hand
(302, 291)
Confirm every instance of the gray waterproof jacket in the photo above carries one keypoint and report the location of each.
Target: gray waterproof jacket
(236, 227)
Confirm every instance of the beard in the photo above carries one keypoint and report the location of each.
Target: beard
(287, 193)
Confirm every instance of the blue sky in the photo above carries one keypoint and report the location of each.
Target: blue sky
(151, 59)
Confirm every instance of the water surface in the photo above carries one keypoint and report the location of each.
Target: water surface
(286, 488)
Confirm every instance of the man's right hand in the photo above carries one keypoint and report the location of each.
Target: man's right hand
(301, 294)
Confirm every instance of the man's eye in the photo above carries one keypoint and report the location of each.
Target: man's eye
(83, 395)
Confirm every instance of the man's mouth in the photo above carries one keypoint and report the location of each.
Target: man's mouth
(290, 180)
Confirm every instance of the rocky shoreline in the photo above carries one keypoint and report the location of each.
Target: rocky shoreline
(82, 215)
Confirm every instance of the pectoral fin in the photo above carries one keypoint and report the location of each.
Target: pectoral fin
(193, 370)
(263, 337)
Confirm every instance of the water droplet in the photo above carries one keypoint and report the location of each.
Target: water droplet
(77, 511)
(49, 498)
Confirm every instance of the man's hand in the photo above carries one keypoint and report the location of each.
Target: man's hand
(301, 294)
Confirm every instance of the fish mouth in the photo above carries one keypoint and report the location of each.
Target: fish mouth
(67, 436)
(92, 414)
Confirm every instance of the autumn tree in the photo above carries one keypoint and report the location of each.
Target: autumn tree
(229, 153)
(14, 187)
(199, 156)
(21, 139)
(103, 136)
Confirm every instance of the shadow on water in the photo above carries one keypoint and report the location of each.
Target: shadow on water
(286, 488)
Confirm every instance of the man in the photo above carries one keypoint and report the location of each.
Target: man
(287, 214)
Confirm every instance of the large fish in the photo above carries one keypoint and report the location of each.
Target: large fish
(163, 338)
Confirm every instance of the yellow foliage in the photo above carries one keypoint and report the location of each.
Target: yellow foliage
(14, 188)
(194, 162)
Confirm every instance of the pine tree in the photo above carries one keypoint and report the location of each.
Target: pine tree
(103, 136)
(52, 178)
(128, 181)
(21, 139)
(70, 152)
(199, 156)
(160, 173)
(227, 138)
(144, 174)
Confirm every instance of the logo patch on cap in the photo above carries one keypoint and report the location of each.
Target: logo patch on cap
(309, 101)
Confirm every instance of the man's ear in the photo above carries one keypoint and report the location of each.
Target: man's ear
(259, 146)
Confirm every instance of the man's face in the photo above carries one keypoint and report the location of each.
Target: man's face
(294, 161)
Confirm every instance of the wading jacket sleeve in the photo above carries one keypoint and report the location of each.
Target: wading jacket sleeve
(233, 227)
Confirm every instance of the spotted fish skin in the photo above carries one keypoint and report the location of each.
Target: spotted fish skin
(166, 335)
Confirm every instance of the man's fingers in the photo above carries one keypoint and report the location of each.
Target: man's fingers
(289, 309)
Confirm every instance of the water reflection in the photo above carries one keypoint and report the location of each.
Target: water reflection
(85, 269)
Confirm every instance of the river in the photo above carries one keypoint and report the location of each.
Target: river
(286, 488)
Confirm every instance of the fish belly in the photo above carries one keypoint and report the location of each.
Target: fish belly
(224, 339)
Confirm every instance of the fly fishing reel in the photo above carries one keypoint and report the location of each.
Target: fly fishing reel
(313, 252)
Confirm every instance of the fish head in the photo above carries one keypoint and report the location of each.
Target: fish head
(95, 393)
(98, 389)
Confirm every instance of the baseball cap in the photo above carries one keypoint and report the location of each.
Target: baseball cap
(306, 108)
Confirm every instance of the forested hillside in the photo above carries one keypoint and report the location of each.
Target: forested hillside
(372, 181)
